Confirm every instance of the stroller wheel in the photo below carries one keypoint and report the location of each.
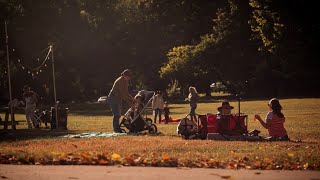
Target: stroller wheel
(152, 128)
(122, 130)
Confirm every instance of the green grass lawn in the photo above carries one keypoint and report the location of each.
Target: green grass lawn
(168, 149)
(302, 116)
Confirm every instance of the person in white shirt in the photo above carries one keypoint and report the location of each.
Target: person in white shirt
(31, 100)
(157, 106)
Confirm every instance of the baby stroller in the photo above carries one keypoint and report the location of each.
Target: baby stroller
(135, 121)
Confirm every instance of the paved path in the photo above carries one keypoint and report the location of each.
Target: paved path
(48, 172)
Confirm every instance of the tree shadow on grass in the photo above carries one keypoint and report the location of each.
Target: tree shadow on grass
(27, 134)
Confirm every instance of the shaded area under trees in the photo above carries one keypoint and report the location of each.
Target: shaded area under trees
(259, 48)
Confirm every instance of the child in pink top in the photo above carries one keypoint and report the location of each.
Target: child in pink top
(274, 121)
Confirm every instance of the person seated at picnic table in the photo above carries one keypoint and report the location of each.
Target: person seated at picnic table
(274, 121)
(16, 104)
(12, 105)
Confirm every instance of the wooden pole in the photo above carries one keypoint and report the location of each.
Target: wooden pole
(9, 76)
(54, 87)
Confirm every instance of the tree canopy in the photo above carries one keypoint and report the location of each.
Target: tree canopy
(243, 44)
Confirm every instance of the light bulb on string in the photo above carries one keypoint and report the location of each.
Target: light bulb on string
(13, 50)
(38, 59)
(40, 70)
(28, 72)
(22, 67)
(19, 60)
(45, 65)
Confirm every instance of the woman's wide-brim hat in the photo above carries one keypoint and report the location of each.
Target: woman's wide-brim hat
(224, 105)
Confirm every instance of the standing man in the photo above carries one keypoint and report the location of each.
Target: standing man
(117, 95)
(31, 100)
(157, 106)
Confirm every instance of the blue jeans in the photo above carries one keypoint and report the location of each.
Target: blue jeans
(156, 112)
(115, 105)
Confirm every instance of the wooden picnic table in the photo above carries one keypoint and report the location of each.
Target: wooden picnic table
(6, 122)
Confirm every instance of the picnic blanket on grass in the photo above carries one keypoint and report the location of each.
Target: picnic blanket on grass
(103, 134)
(171, 119)
(93, 134)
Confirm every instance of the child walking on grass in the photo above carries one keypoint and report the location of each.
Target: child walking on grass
(166, 112)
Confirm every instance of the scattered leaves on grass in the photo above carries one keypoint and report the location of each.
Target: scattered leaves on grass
(115, 156)
(88, 158)
(290, 154)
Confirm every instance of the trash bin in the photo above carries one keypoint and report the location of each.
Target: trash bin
(62, 118)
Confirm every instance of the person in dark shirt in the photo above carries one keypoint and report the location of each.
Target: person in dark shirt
(166, 112)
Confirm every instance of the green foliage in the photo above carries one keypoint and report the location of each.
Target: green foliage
(189, 63)
(266, 25)
(179, 58)
(135, 28)
(128, 11)
(173, 89)
(189, 41)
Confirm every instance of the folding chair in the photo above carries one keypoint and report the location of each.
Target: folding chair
(42, 117)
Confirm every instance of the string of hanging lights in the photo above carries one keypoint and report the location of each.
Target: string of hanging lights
(34, 71)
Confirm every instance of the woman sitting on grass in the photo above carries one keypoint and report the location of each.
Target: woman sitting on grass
(274, 121)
